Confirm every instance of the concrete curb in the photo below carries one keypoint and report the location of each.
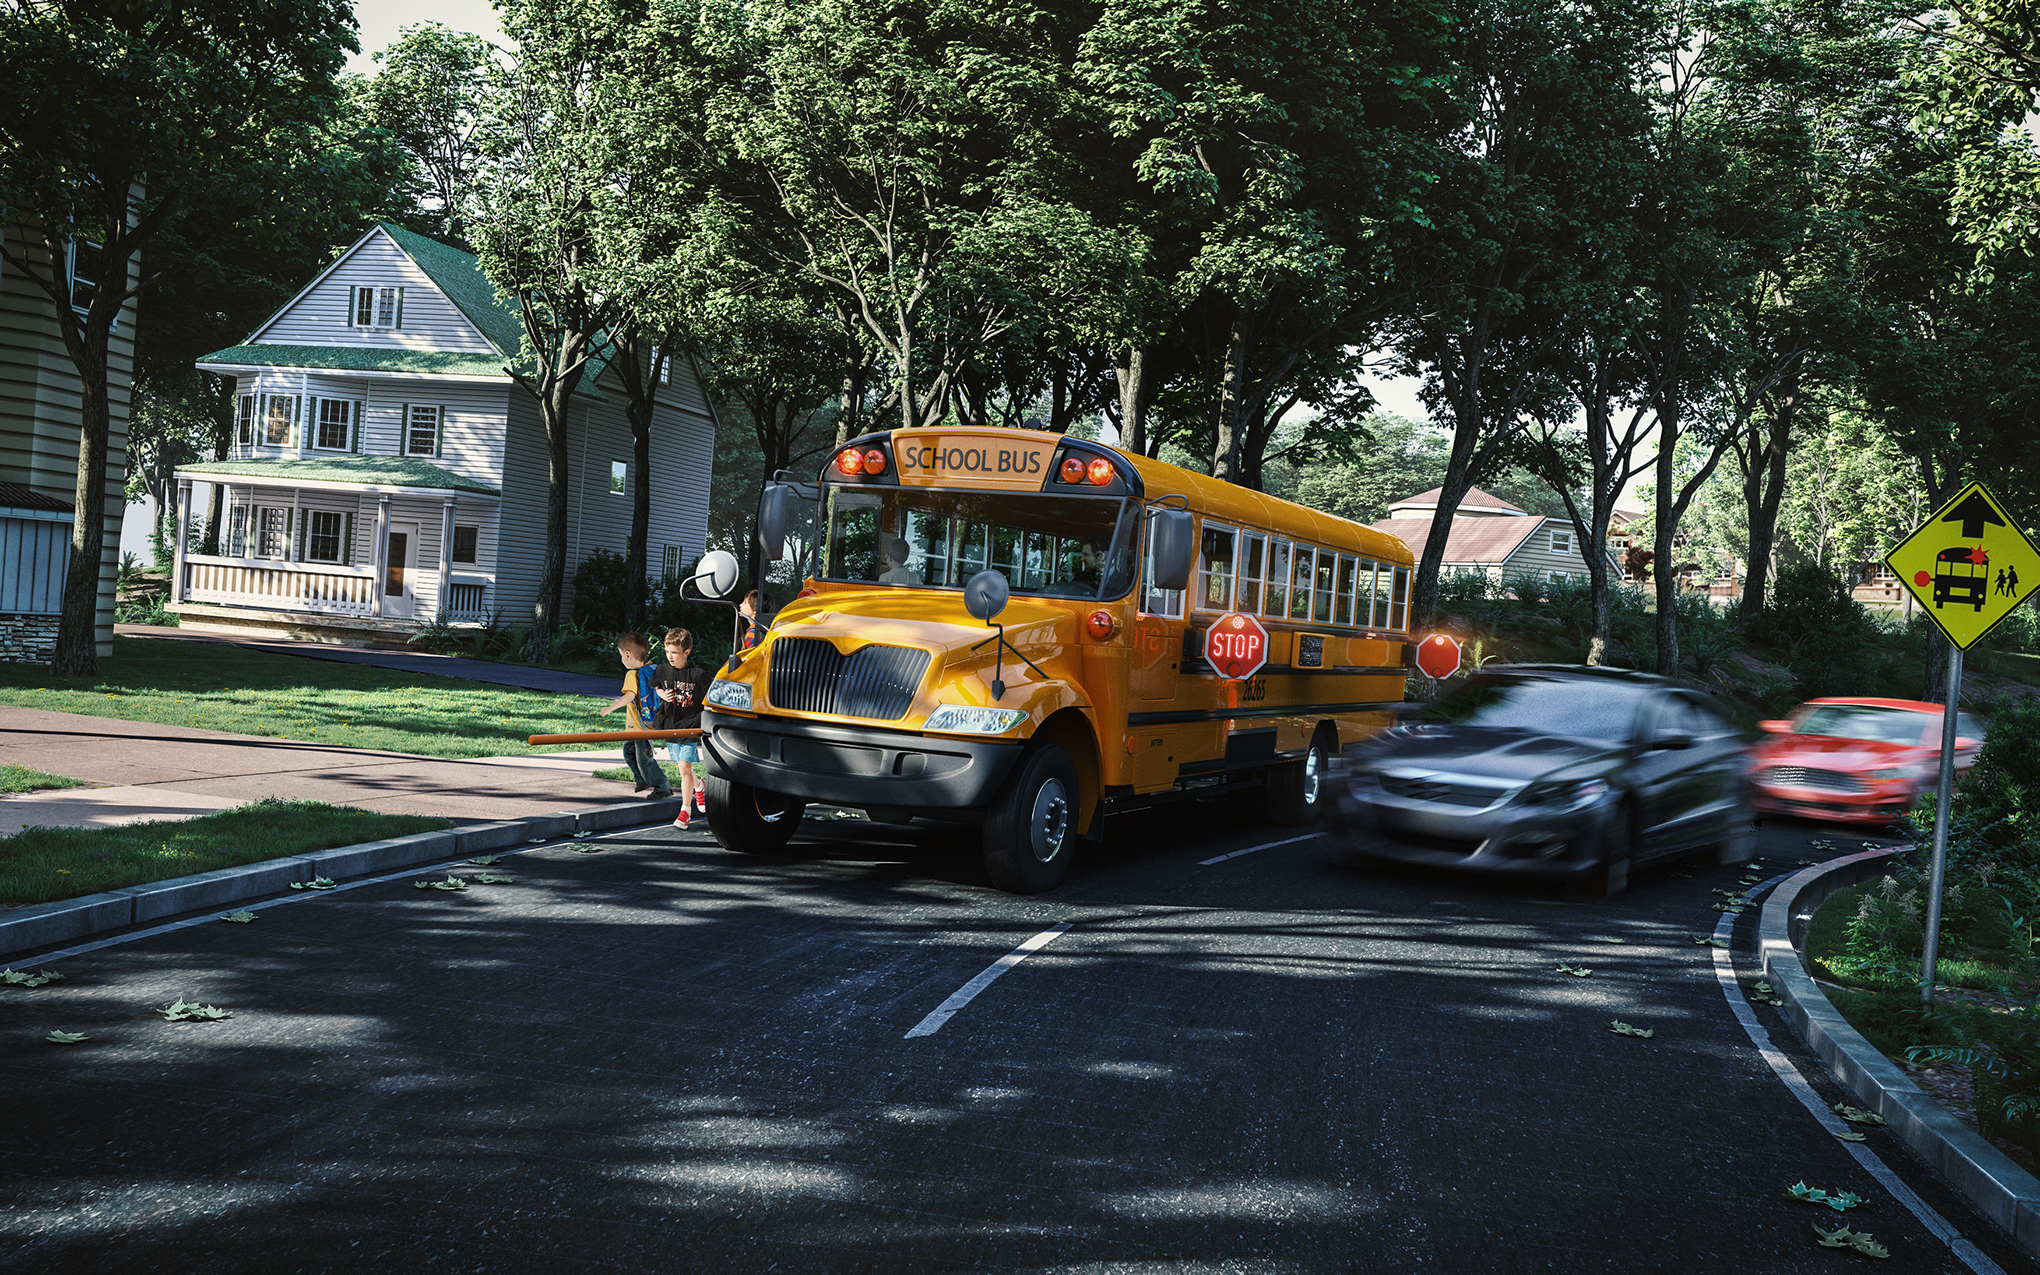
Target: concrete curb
(1999, 1188)
(52, 924)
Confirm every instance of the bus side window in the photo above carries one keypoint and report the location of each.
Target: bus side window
(853, 555)
(1327, 562)
(1344, 614)
(1215, 570)
(970, 550)
(1040, 559)
(1006, 548)
(1168, 602)
(1398, 610)
(1299, 597)
(1277, 602)
(1252, 547)
(1377, 593)
(927, 537)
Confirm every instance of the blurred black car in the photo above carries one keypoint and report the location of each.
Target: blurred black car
(1553, 772)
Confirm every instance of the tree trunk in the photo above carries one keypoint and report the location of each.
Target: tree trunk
(1665, 570)
(555, 398)
(1133, 392)
(77, 653)
(1232, 388)
(643, 400)
(1764, 494)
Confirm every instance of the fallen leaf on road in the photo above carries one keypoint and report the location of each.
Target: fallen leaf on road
(1577, 971)
(485, 859)
(583, 836)
(1765, 994)
(1843, 1237)
(1621, 1028)
(316, 883)
(184, 1011)
(1850, 1135)
(239, 918)
(490, 878)
(1809, 863)
(451, 883)
(1856, 1115)
(1708, 940)
(22, 978)
(1611, 939)
(66, 1038)
(536, 841)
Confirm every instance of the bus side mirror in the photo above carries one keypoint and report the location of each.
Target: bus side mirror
(716, 573)
(1172, 548)
(775, 511)
(986, 594)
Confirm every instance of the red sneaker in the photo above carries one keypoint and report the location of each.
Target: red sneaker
(681, 820)
(701, 801)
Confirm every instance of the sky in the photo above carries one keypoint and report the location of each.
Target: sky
(381, 20)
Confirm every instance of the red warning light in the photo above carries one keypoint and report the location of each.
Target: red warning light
(851, 461)
(874, 461)
(1100, 472)
(1072, 470)
(1101, 624)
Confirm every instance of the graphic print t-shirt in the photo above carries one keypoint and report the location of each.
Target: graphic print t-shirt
(683, 713)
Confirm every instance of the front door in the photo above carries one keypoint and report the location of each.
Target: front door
(399, 575)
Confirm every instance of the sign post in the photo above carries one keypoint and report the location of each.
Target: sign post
(1969, 554)
(1236, 646)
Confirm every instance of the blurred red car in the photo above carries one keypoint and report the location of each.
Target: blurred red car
(1855, 760)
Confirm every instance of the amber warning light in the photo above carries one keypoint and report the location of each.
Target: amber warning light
(1100, 472)
(851, 461)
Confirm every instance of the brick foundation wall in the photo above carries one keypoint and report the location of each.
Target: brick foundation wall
(28, 639)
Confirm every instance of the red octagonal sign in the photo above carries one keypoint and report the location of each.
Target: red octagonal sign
(1438, 657)
(1236, 645)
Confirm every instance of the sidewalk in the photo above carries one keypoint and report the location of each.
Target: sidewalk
(152, 771)
(530, 679)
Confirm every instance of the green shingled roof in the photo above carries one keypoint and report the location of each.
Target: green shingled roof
(359, 358)
(459, 275)
(369, 471)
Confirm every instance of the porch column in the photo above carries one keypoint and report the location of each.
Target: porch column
(382, 553)
(445, 557)
(182, 527)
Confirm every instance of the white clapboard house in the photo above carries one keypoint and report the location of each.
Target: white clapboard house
(386, 471)
(1493, 537)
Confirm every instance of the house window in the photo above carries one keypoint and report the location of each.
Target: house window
(82, 260)
(672, 563)
(336, 424)
(464, 544)
(1561, 541)
(421, 431)
(276, 424)
(244, 421)
(1557, 577)
(618, 471)
(272, 536)
(378, 308)
(237, 531)
(322, 543)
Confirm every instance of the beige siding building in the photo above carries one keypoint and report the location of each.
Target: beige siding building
(1494, 537)
(386, 471)
(40, 403)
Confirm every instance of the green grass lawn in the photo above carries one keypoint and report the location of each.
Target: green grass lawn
(43, 865)
(221, 687)
(22, 779)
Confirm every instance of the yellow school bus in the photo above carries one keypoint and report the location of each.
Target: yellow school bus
(1007, 628)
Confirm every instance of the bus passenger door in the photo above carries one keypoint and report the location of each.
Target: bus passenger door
(1155, 680)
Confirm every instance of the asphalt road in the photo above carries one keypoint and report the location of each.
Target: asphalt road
(646, 1054)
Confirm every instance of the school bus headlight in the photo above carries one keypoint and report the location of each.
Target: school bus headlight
(736, 695)
(964, 719)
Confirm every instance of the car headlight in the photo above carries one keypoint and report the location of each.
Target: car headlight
(963, 719)
(1898, 772)
(1560, 798)
(736, 695)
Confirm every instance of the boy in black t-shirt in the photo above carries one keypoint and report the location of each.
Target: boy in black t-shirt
(681, 686)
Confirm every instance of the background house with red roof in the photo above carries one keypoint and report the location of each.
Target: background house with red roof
(1492, 536)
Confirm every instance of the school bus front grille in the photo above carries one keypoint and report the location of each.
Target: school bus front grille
(811, 676)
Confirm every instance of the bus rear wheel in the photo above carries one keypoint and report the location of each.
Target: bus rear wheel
(750, 820)
(1294, 793)
(1031, 827)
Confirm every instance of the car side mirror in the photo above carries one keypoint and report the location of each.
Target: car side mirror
(775, 511)
(1672, 743)
(1172, 548)
(1775, 727)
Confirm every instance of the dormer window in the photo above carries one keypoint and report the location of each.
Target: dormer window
(378, 308)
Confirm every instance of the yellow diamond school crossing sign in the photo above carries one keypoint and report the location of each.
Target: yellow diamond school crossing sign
(1969, 565)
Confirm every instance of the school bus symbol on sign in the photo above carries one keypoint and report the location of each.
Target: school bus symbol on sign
(1968, 564)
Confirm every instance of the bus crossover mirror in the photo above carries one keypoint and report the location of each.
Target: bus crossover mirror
(986, 594)
(1172, 548)
(775, 512)
(716, 573)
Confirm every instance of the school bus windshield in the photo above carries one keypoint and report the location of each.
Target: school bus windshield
(1056, 546)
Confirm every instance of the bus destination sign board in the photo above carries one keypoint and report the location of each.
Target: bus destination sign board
(1236, 646)
(989, 458)
(1968, 564)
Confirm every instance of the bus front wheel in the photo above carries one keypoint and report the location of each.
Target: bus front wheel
(1031, 826)
(1294, 794)
(750, 820)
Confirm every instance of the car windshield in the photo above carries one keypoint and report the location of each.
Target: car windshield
(1057, 546)
(1578, 708)
(1865, 721)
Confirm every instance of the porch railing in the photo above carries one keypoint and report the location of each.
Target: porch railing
(296, 586)
(467, 600)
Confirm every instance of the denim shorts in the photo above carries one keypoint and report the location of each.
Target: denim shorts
(679, 750)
